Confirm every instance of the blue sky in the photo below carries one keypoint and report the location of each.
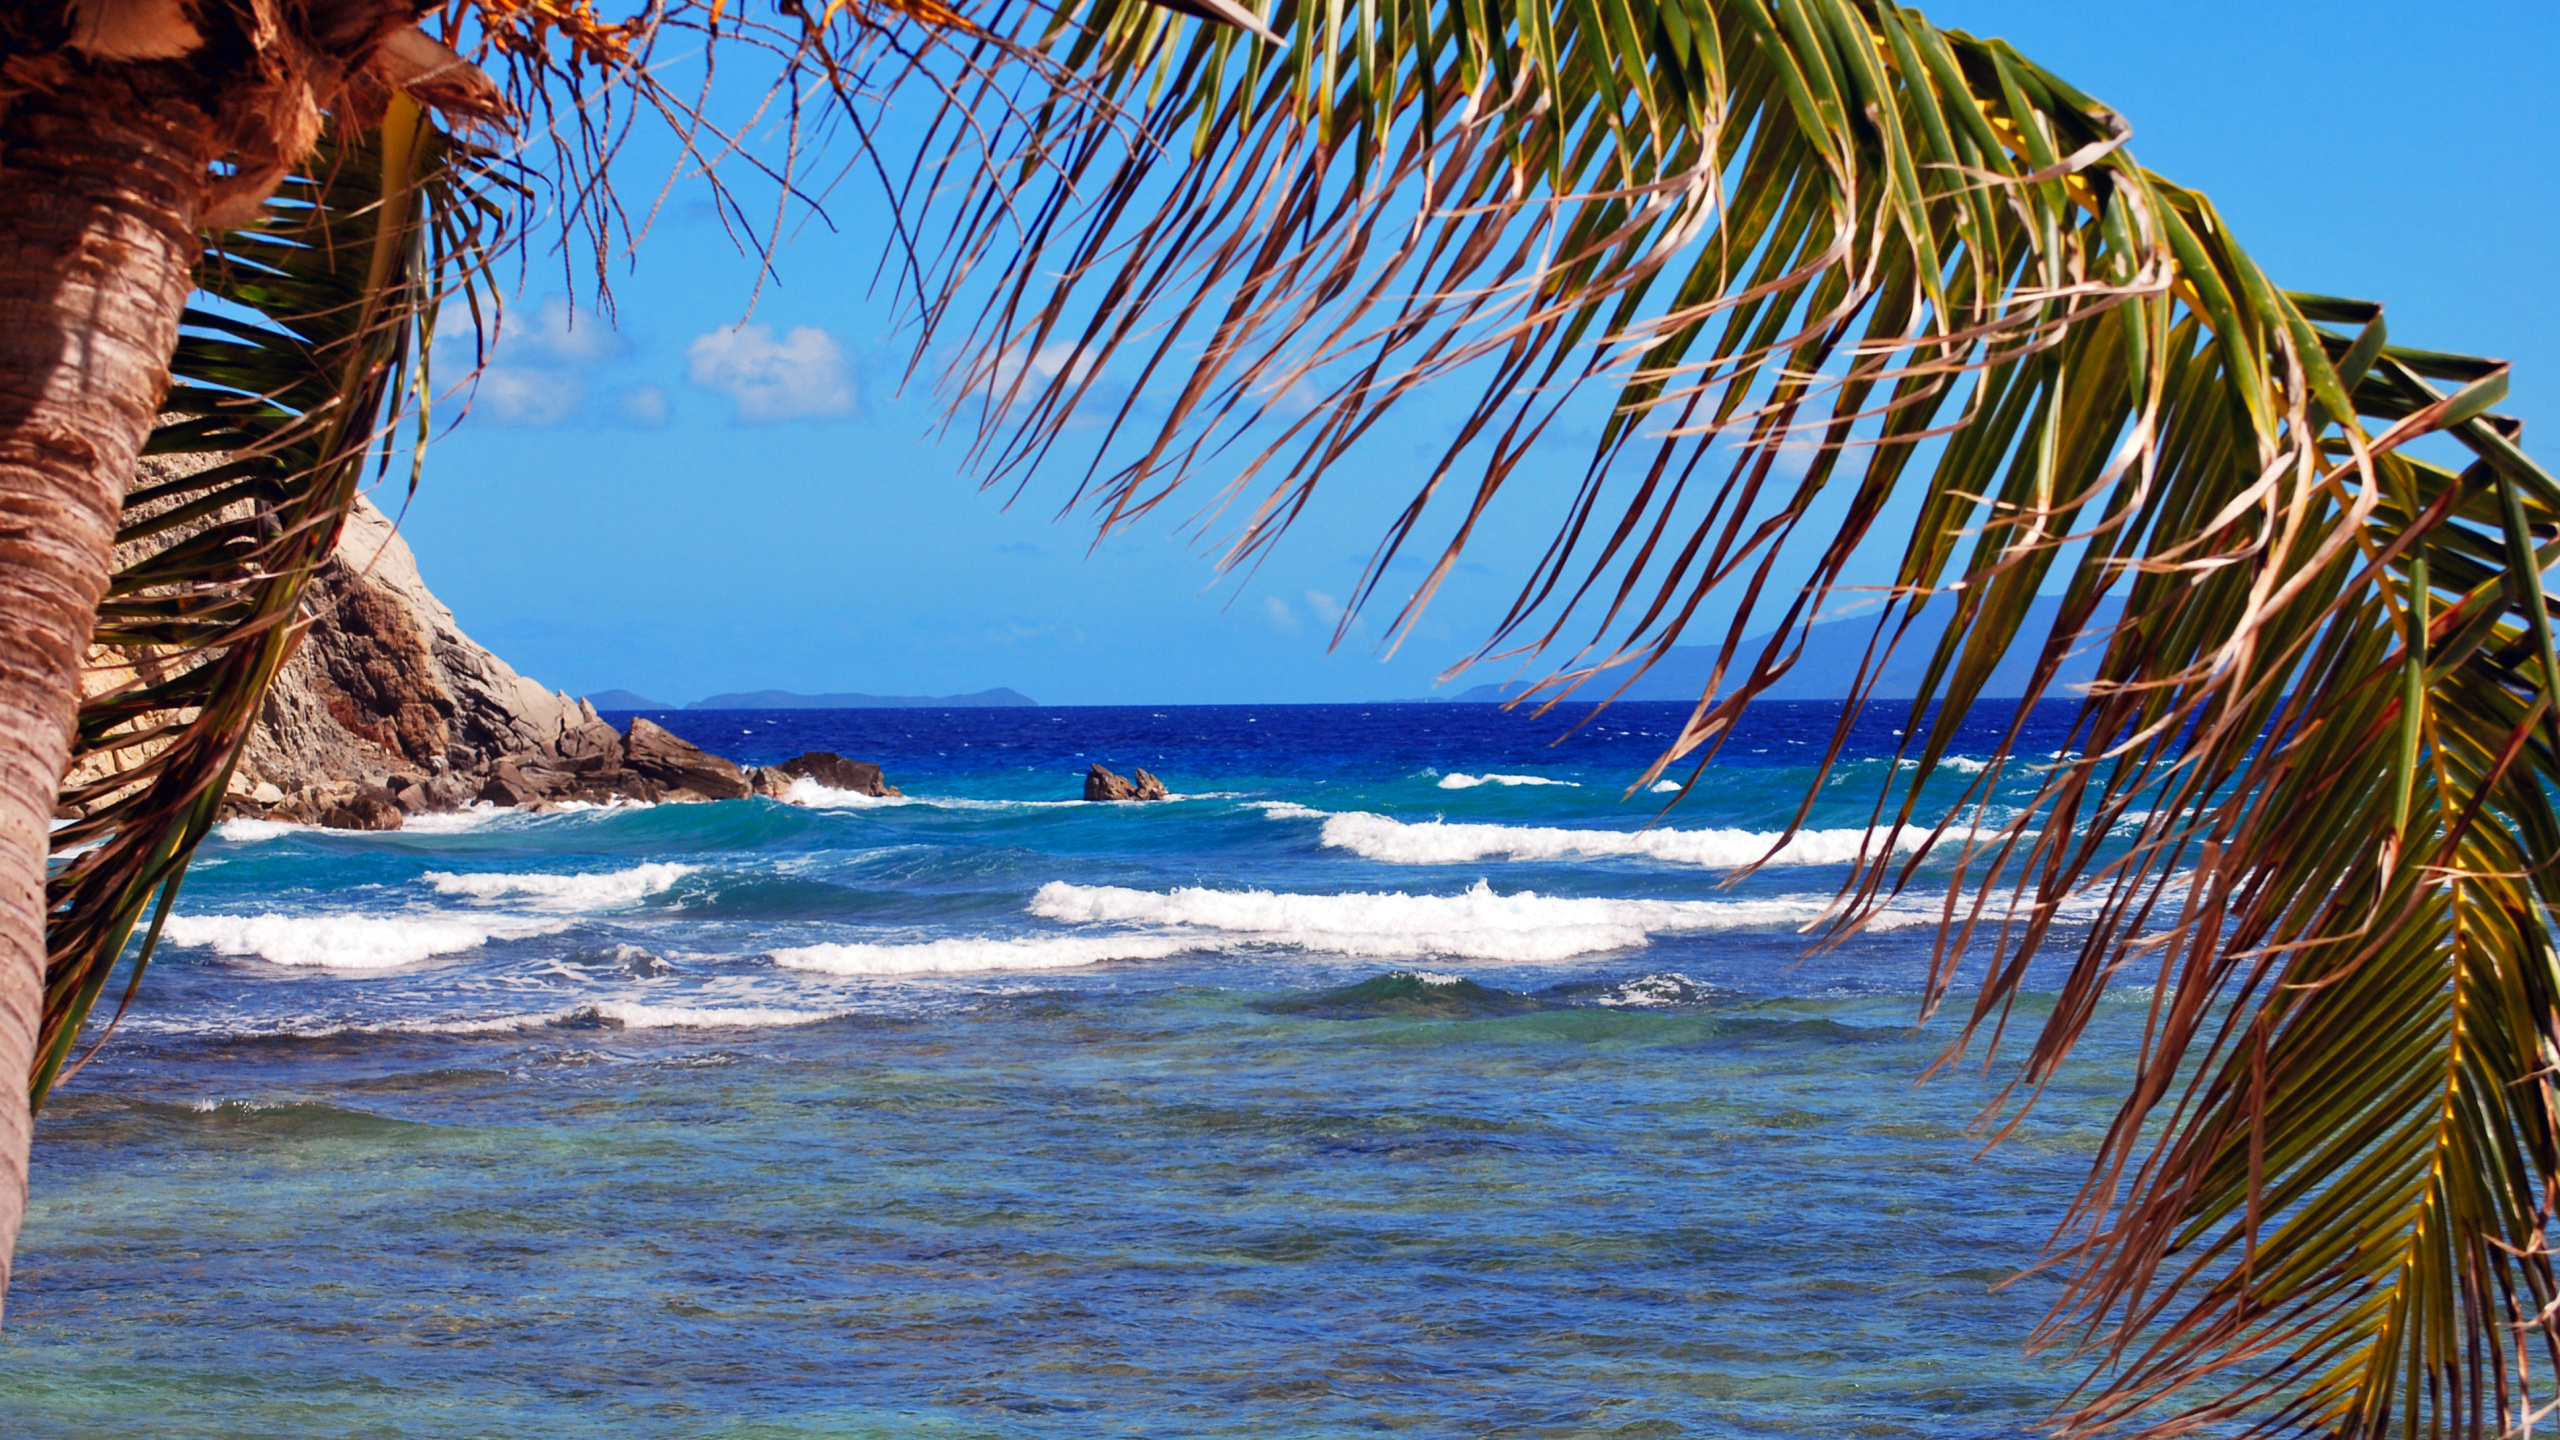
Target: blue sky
(680, 506)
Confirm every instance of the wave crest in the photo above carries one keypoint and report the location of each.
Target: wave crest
(348, 942)
(1441, 842)
(943, 957)
(1477, 924)
(565, 892)
(1460, 781)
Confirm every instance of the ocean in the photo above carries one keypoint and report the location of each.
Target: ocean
(1392, 1078)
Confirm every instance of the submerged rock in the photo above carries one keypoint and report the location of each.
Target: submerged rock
(1101, 784)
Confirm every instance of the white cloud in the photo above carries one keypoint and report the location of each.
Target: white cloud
(800, 375)
(1283, 619)
(519, 395)
(1324, 605)
(998, 376)
(560, 334)
(644, 405)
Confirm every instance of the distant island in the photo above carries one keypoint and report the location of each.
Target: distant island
(790, 700)
(625, 700)
(1833, 651)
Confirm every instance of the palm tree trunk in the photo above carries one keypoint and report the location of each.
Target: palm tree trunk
(101, 180)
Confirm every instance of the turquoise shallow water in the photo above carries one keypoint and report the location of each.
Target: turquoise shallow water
(981, 1116)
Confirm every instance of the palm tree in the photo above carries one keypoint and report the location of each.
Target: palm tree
(1804, 250)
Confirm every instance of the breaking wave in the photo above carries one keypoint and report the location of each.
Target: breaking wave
(1458, 781)
(348, 942)
(943, 957)
(1441, 842)
(1477, 924)
(565, 892)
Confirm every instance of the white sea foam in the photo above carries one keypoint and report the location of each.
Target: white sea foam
(1440, 842)
(1030, 952)
(1457, 781)
(805, 791)
(1288, 810)
(565, 892)
(1665, 787)
(246, 832)
(1477, 924)
(815, 796)
(348, 942)
(632, 1016)
(455, 822)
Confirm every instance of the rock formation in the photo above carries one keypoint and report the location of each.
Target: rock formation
(825, 767)
(387, 709)
(1101, 784)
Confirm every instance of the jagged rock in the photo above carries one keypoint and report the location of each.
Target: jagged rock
(684, 769)
(370, 808)
(590, 740)
(507, 785)
(1101, 784)
(826, 767)
(769, 781)
(387, 681)
(386, 694)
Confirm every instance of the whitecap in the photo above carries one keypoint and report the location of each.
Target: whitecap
(348, 942)
(455, 822)
(1027, 952)
(247, 832)
(808, 792)
(565, 892)
(1440, 842)
(1665, 787)
(1459, 781)
(1478, 924)
(631, 1016)
(1288, 810)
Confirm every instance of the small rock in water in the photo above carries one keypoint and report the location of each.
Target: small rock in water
(1101, 784)
(827, 768)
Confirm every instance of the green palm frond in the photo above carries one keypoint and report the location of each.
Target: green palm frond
(1822, 257)
(286, 381)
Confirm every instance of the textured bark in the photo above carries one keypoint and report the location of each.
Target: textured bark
(102, 174)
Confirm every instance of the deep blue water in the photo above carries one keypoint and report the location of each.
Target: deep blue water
(1368, 1087)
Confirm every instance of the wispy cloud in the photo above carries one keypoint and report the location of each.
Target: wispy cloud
(524, 395)
(799, 376)
(1283, 619)
(536, 375)
(644, 405)
(557, 333)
